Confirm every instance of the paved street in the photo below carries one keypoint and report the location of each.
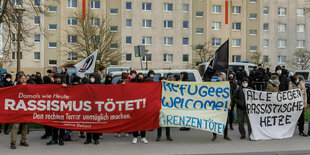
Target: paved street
(192, 142)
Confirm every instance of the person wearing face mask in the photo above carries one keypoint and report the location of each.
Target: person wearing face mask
(150, 76)
(140, 78)
(133, 76)
(38, 78)
(58, 134)
(233, 87)
(7, 82)
(239, 100)
(284, 81)
(297, 83)
(108, 80)
(273, 84)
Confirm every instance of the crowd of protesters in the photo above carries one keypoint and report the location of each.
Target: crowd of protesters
(258, 79)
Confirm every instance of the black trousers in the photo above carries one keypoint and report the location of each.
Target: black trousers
(242, 114)
(90, 136)
(6, 127)
(48, 130)
(231, 116)
(301, 122)
(159, 131)
(57, 135)
(136, 134)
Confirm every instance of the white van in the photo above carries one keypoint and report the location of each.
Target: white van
(248, 67)
(109, 70)
(193, 75)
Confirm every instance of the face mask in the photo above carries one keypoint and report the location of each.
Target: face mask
(244, 85)
(152, 75)
(230, 78)
(279, 72)
(92, 80)
(297, 81)
(219, 79)
(131, 77)
(8, 79)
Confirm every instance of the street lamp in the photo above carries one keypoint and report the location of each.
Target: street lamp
(19, 12)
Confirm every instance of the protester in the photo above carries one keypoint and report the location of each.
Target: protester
(64, 75)
(284, 82)
(297, 83)
(184, 76)
(108, 80)
(240, 74)
(7, 82)
(21, 81)
(124, 79)
(38, 78)
(259, 78)
(273, 84)
(150, 76)
(133, 76)
(233, 87)
(58, 134)
(101, 72)
(55, 70)
(252, 78)
(239, 100)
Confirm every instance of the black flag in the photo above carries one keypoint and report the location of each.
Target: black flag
(219, 61)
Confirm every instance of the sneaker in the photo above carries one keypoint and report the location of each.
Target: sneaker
(143, 140)
(302, 134)
(13, 146)
(52, 142)
(61, 143)
(24, 144)
(127, 134)
(118, 135)
(169, 138)
(134, 140)
(158, 139)
(101, 136)
(96, 142)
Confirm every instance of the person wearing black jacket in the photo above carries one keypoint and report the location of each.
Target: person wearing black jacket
(38, 78)
(259, 78)
(108, 80)
(284, 80)
(133, 76)
(64, 75)
(233, 88)
(240, 74)
(7, 82)
(239, 100)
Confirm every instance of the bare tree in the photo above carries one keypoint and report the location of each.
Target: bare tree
(256, 58)
(93, 33)
(300, 59)
(205, 51)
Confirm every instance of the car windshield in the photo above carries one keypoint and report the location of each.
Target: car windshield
(191, 76)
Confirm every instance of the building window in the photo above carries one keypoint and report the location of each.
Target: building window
(128, 57)
(185, 7)
(168, 24)
(37, 20)
(168, 41)
(300, 43)
(236, 42)
(146, 6)
(300, 12)
(185, 24)
(185, 57)
(128, 22)
(128, 5)
(52, 62)
(52, 26)
(148, 57)
(15, 38)
(265, 58)
(128, 40)
(147, 41)
(253, 16)
(36, 56)
(281, 43)
(36, 3)
(199, 30)
(300, 28)
(168, 7)
(52, 45)
(281, 11)
(95, 4)
(216, 26)
(17, 2)
(199, 47)
(185, 41)
(266, 26)
(72, 56)
(236, 26)
(266, 11)
(199, 14)
(236, 9)
(14, 55)
(253, 48)
(72, 21)
(168, 57)
(253, 32)
(114, 28)
(236, 58)
(281, 27)
(114, 11)
(216, 42)
(72, 3)
(252, 1)
(17, 19)
(52, 9)
(114, 46)
(146, 23)
(281, 59)
(266, 43)
(95, 21)
(37, 38)
(72, 38)
(95, 39)
(216, 9)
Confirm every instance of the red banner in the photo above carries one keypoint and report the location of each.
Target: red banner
(91, 108)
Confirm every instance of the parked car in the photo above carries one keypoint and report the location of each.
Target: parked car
(248, 67)
(109, 70)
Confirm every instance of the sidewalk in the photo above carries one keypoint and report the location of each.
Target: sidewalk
(185, 142)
